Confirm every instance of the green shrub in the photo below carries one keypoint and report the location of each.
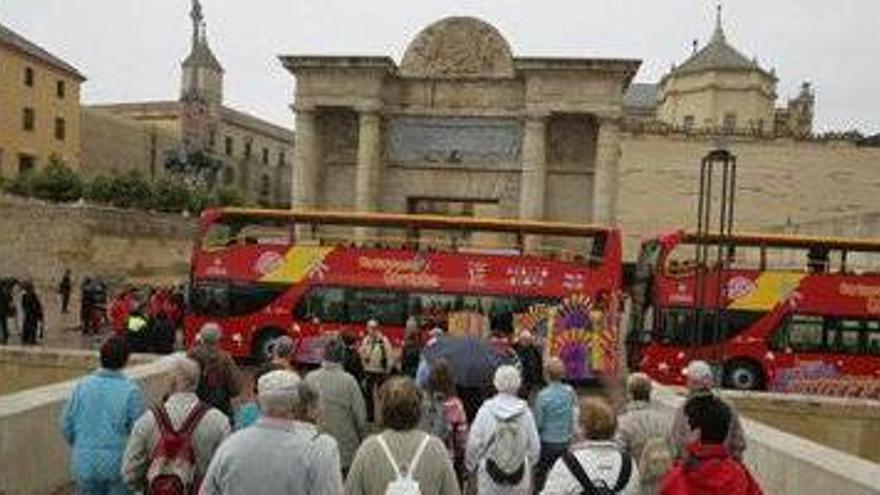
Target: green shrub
(99, 190)
(170, 195)
(131, 190)
(229, 196)
(56, 182)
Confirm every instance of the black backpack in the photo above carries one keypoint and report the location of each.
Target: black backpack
(599, 487)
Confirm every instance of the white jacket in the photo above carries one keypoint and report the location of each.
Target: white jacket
(600, 460)
(502, 406)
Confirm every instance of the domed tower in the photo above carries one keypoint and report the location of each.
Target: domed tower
(718, 88)
(201, 89)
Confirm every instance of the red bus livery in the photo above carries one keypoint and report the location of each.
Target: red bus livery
(792, 308)
(262, 273)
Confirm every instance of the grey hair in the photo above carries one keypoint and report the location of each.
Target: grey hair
(210, 333)
(308, 400)
(277, 405)
(186, 373)
(638, 386)
(282, 347)
(335, 351)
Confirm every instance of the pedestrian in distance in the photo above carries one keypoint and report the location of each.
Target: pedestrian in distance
(643, 430)
(97, 419)
(555, 417)
(503, 444)
(701, 381)
(595, 465)
(7, 309)
(532, 364)
(220, 379)
(444, 416)
(283, 452)
(152, 460)
(33, 321)
(411, 351)
(65, 286)
(708, 467)
(402, 458)
(345, 414)
(375, 353)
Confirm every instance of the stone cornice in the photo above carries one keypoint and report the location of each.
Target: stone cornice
(295, 63)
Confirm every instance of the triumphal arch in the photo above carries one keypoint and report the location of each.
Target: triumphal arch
(460, 126)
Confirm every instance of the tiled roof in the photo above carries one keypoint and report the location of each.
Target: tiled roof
(21, 44)
(718, 54)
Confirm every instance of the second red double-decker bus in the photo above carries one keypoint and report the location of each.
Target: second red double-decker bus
(771, 310)
(260, 274)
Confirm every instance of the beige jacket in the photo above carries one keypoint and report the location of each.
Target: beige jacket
(345, 417)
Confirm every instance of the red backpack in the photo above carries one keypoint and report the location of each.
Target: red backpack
(172, 468)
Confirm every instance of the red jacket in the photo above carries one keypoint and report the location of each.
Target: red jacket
(709, 470)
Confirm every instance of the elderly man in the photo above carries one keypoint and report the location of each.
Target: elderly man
(345, 416)
(643, 431)
(283, 452)
(700, 381)
(220, 380)
(182, 412)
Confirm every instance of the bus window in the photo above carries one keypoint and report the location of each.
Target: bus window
(219, 235)
(805, 333)
(846, 337)
(222, 299)
(873, 337)
(209, 298)
(388, 307)
(327, 304)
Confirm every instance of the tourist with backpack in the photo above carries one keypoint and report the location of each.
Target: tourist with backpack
(97, 419)
(596, 465)
(375, 352)
(444, 417)
(283, 452)
(172, 444)
(503, 444)
(643, 431)
(555, 417)
(221, 379)
(402, 459)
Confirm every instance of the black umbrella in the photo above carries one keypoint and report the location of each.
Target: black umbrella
(472, 361)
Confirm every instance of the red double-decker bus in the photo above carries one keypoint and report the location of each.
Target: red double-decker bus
(769, 311)
(260, 274)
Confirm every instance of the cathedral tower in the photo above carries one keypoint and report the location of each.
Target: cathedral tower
(201, 90)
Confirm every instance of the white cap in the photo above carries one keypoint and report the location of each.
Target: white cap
(278, 382)
(372, 324)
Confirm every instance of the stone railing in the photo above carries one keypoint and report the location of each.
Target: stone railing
(35, 457)
(657, 128)
(787, 464)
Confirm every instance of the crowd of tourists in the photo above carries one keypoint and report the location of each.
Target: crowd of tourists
(312, 434)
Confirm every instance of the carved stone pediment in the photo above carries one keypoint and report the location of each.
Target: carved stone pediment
(458, 48)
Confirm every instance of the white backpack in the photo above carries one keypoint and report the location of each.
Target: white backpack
(404, 484)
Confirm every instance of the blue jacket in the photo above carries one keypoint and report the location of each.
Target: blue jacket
(96, 422)
(555, 413)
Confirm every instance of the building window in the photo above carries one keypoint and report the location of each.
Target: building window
(247, 149)
(729, 123)
(28, 76)
(229, 146)
(60, 129)
(28, 119)
(26, 163)
(265, 156)
(281, 158)
(59, 89)
(688, 122)
(212, 139)
(228, 175)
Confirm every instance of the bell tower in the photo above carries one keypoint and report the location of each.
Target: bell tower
(201, 89)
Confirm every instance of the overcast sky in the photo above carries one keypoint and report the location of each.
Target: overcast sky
(130, 50)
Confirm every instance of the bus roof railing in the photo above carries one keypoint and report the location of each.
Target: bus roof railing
(757, 239)
(418, 222)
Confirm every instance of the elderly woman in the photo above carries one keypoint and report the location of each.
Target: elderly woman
(555, 417)
(503, 445)
(596, 461)
(402, 449)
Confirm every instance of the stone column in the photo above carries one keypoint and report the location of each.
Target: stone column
(369, 164)
(304, 188)
(533, 186)
(606, 176)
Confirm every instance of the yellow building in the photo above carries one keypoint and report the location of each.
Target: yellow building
(39, 106)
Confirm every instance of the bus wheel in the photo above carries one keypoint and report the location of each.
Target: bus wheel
(744, 375)
(260, 352)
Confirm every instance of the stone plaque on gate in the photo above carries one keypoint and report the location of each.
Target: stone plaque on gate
(455, 142)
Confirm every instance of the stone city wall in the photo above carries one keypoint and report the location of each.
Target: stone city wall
(40, 240)
(786, 464)
(779, 181)
(36, 459)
